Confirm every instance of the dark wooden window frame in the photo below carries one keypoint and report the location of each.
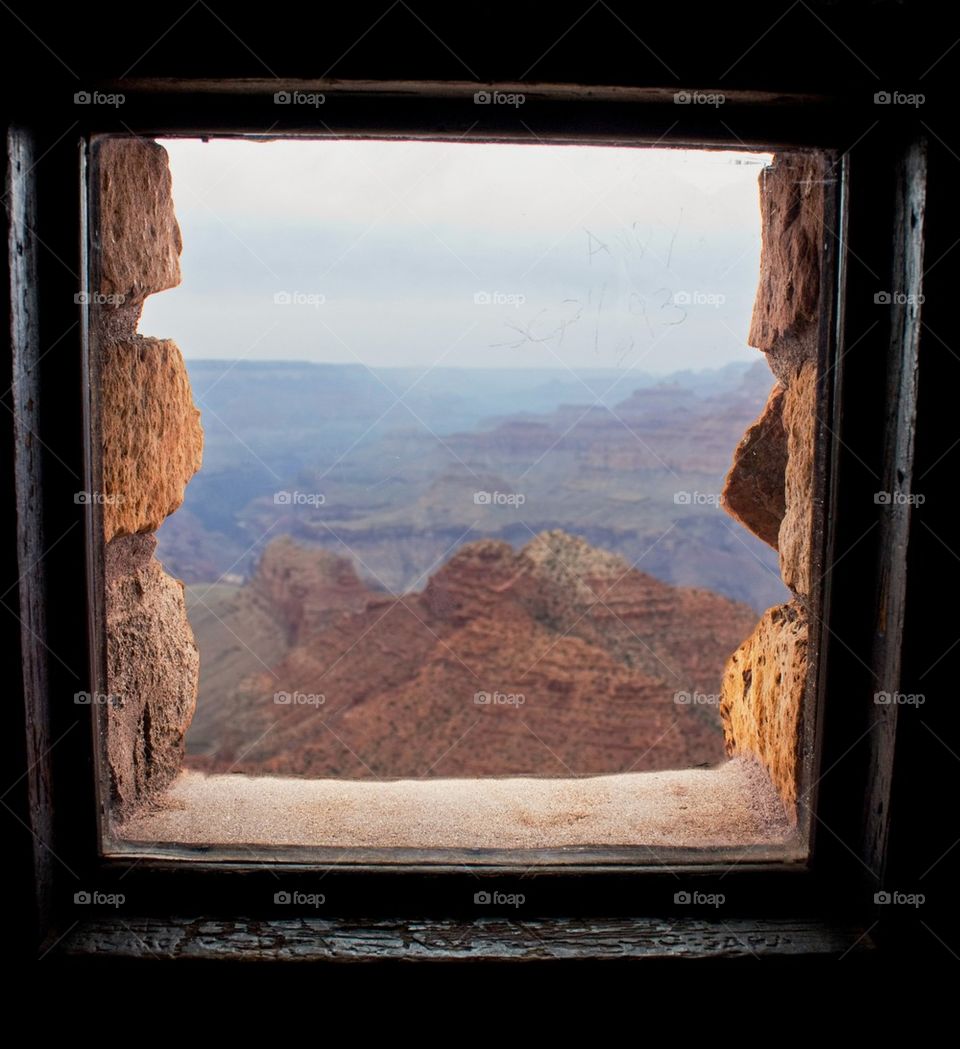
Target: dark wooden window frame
(379, 909)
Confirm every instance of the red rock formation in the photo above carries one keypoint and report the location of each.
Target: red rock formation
(305, 592)
(559, 659)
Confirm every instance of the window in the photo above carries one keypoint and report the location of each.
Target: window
(434, 600)
(845, 521)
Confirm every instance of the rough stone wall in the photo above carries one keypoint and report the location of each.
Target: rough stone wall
(152, 445)
(769, 488)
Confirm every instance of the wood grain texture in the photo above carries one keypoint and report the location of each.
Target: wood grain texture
(25, 600)
(312, 939)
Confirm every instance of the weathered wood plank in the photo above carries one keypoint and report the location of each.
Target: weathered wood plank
(898, 480)
(493, 939)
(24, 600)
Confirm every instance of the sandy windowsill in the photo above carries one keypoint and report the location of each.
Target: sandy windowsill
(733, 804)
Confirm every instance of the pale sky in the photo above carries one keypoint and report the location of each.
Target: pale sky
(463, 255)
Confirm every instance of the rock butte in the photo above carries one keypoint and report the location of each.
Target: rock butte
(593, 652)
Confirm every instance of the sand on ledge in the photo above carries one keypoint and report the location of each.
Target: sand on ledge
(733, 804)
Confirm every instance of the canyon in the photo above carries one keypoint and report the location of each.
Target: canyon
(631, 462)
(531, 645)
(555, 659)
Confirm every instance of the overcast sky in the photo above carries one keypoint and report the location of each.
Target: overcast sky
(464, 255)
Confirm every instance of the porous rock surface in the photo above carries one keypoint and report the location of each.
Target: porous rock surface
(153, 668)
(151, 434)
(139, 236)
(762, 694)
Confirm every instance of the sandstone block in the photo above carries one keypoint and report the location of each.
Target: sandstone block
(785, 311)
(762, 694)
(796, 528)
(151, 433)
(152, 672)
(140, 240)
(754, 489)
